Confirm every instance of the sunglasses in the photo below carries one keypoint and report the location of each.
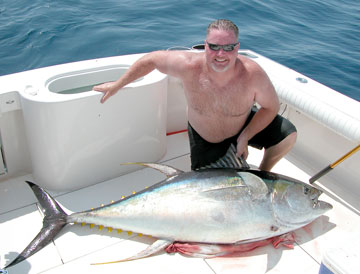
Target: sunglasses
(228, 47)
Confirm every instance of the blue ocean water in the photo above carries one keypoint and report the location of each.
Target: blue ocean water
(319, 38)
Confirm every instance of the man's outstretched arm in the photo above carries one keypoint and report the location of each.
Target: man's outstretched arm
(168, 62)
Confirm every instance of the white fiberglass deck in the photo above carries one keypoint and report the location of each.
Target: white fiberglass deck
(77, 247)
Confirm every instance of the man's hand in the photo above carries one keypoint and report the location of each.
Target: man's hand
(242, 146)
(109, 89)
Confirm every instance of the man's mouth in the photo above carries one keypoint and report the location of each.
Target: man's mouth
(220, 64)
(220, 60)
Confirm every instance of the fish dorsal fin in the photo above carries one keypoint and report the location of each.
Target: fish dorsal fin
(229, 160)
(167, 170)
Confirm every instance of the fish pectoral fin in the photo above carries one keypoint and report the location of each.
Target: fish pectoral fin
(258, 189)
(225, 193)
(169, 171)
(150, 250)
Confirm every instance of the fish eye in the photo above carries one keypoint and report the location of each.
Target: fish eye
(312, 193)
(306, 190)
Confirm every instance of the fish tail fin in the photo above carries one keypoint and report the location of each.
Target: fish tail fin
(55, 219)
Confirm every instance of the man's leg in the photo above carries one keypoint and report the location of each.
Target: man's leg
(203, 153)
(274, 153)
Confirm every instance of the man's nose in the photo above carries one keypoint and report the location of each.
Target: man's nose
(220, 52)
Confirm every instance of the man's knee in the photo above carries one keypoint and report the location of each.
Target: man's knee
(291, 139)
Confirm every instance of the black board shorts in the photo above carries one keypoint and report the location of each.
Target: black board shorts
(204, 153)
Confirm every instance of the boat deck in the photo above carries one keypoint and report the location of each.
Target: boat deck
(79, 246)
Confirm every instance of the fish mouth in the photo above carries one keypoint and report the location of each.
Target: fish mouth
(321, 205)
(318, 204)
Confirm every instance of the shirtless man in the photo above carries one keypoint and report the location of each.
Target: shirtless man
(221, 88)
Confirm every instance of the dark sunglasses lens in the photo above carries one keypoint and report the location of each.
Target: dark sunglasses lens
(228, 47)
(214, 47)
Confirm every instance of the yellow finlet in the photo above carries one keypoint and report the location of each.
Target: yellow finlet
(134, 192)
(110, 229)
(101, 227)
(140, 234)
(92, 225)
(129, 233)
(82, 224)
(119, 231)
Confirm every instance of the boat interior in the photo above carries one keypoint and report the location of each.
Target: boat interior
(50, 136)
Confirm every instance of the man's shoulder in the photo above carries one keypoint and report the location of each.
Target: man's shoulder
(253, 69)
(249, 64)
(178, 63)
(191, 60)
(193, 57)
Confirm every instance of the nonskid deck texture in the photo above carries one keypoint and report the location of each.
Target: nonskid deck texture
(78, 246)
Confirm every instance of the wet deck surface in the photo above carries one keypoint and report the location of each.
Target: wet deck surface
(78, 246)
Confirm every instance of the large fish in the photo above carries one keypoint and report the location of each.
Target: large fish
(210, 206)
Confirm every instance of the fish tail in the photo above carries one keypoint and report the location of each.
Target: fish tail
(55, 219)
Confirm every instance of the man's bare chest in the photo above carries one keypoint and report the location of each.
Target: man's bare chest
(233, 99)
